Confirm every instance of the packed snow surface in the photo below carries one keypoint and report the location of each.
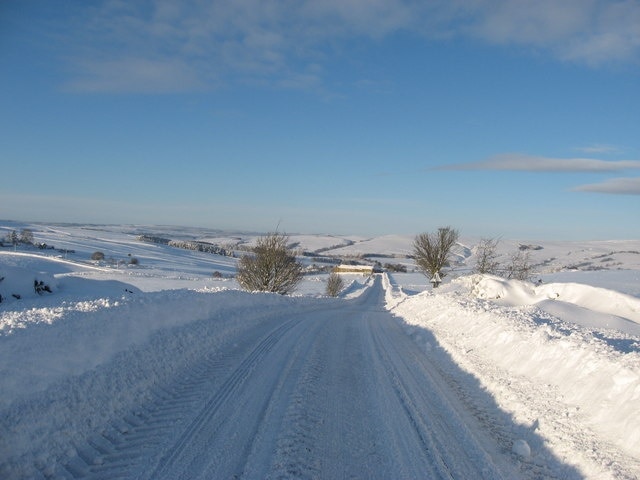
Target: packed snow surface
(162, 370)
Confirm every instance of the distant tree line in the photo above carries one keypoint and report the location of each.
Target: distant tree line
(25, 237)
(320, 259)
(199, 247)
(187, 244)
(397, 267)
(153, 239)
(346, 243)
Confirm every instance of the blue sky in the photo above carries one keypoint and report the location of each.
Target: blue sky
(517, 119)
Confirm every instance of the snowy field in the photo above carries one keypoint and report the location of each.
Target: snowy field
(98, 376)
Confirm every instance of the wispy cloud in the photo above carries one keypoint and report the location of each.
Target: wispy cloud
(584, 31)
(136, 75)
(600, 149)
(617, 186)
(516, 162)
(163, 45)
(530, 163)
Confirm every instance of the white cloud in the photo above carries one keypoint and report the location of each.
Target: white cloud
(374, 18)
(617, 186)
(592, 32)
(534, 22)
(276, 41)
(600, 149)
(614, 35)
(530, 163)
(138, 75)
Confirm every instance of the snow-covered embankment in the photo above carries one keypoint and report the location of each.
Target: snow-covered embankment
(547, 362)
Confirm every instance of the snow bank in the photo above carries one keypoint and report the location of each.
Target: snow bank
(355, 285)
(515, 292)
(593, 298)
(579, 379)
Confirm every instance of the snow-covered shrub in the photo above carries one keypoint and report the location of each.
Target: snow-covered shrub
(271, 268)
(334, 285)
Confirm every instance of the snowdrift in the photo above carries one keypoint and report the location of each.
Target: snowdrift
(515, 292)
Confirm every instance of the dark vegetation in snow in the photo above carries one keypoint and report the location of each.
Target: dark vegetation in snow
(198, 246)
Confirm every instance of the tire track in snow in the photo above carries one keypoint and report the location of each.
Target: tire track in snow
(330, 429)
(423, 409)
(420, 424)
(121, 450)
(132, 446)
(360, 410)
(182, 454)
(297, 438)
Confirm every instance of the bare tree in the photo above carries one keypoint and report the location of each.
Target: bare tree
(13, 238)
(431, 250)
(271, 267)
(486, 256)
(520, 267)
(334, 285)
(26, 236)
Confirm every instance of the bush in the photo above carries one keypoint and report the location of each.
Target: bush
(398, 267)
(40, 286)
(486, 256)
(520, 267)
(26, 236)
(271, 267)
(334, 285)
(97, 256)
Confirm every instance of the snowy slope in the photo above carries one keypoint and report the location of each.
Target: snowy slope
(390, 245)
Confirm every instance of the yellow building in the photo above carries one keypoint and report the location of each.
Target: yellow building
(358, 269)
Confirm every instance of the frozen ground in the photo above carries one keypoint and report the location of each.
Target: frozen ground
(160, 370)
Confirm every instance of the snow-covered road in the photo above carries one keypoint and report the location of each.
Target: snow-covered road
(331, 390)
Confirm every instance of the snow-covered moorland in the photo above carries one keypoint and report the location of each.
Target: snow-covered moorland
(99, 376)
